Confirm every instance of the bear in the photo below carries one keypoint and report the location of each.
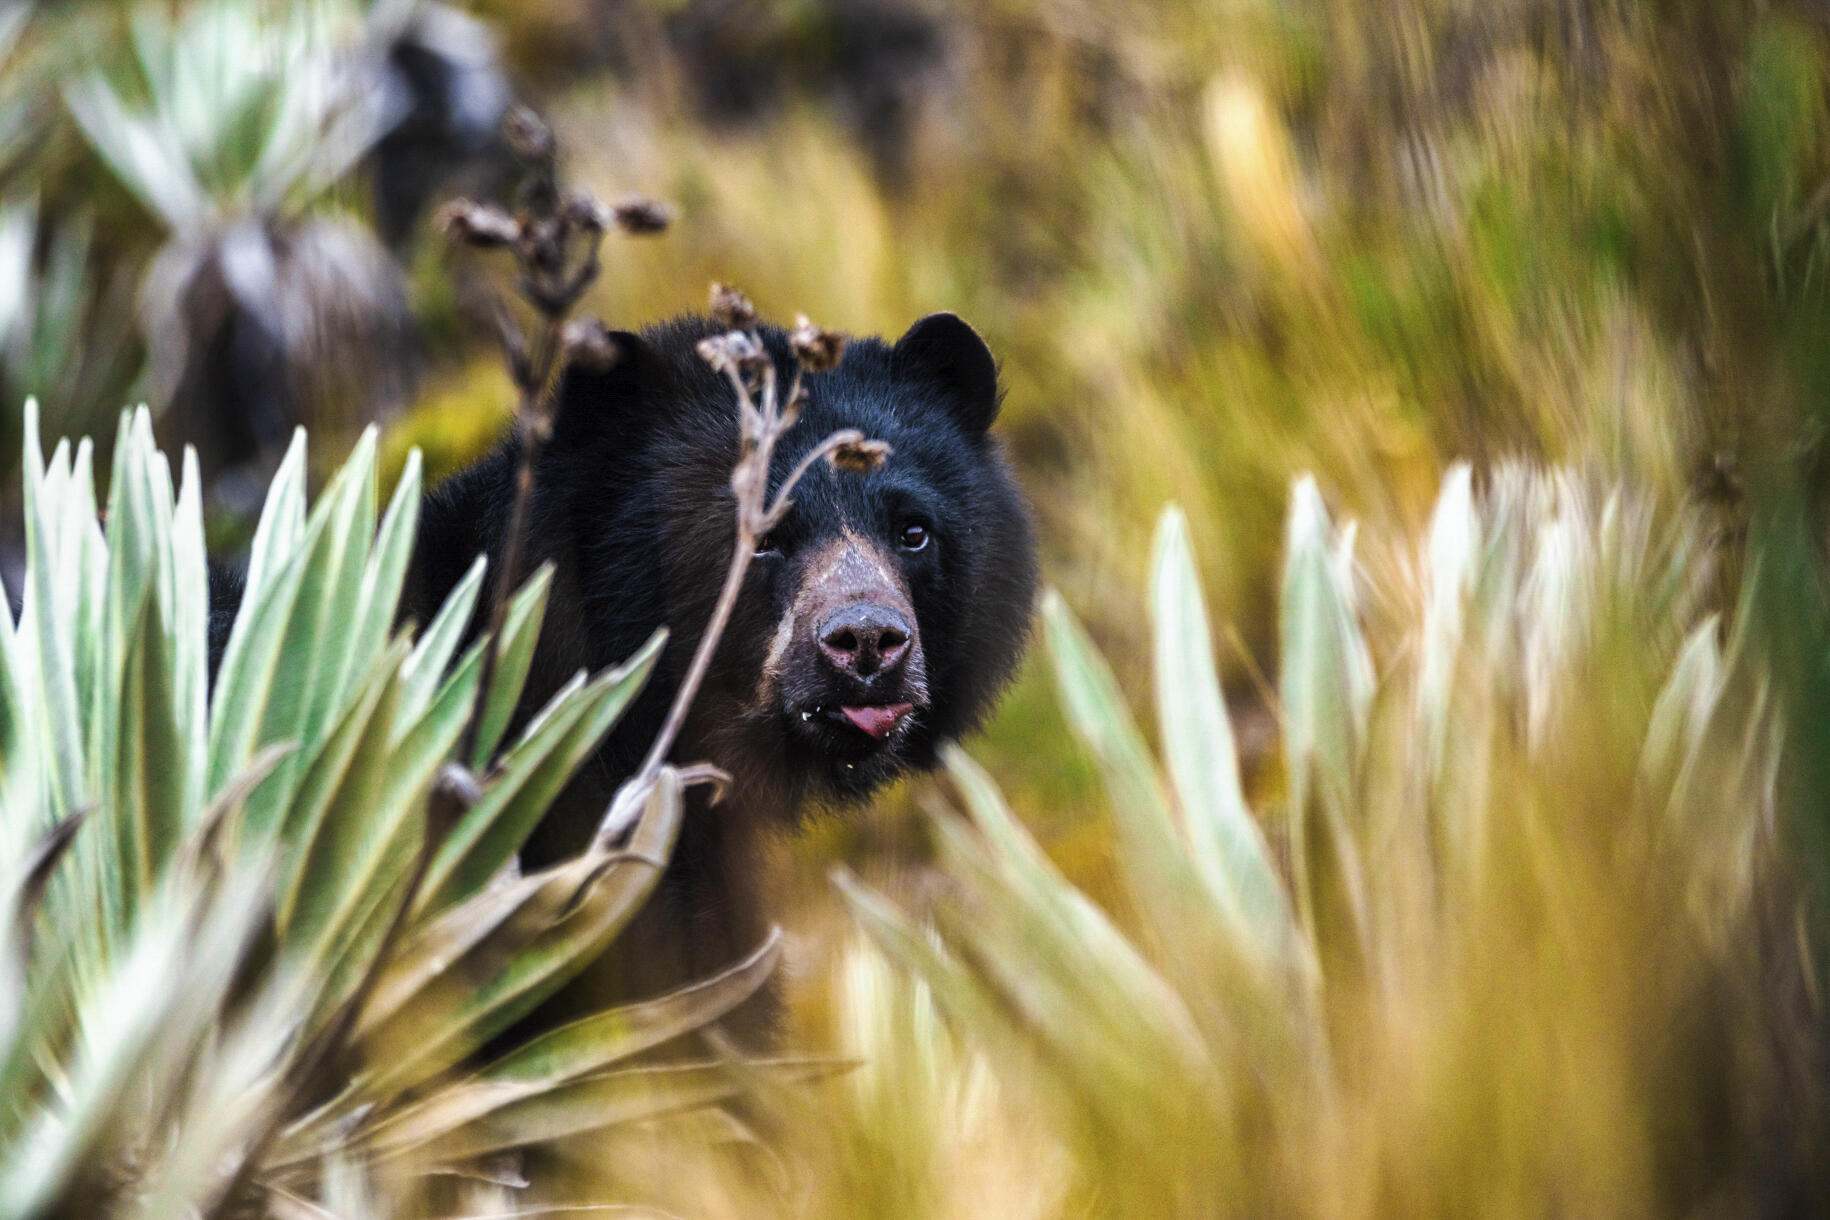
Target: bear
(879, 619)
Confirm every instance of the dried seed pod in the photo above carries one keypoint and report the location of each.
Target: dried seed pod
(712, 351)
(528, 136)
(585, 212)
(639, 217)
(588, 342)
(731, 309)
(819, 350)
(478, 224)
(733, 351)
(859, 457)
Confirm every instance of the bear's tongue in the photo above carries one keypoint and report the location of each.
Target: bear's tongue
(877, 721)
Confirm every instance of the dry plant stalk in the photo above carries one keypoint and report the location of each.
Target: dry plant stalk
(764, 416)
(555, 238)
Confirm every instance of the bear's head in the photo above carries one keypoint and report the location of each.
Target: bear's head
(885, 612)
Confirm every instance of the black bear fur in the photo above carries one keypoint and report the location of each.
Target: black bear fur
(632, 506)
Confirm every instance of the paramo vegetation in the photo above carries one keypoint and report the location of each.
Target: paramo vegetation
(1415, 800)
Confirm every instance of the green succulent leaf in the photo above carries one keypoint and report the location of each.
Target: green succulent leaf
(1224, 840)
(531, 774)
(581, 1049)
(520, 632)
(255, 936)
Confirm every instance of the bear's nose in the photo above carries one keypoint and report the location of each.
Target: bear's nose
(863, 639)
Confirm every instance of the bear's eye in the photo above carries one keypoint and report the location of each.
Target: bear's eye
(913, 537)
(768, 544)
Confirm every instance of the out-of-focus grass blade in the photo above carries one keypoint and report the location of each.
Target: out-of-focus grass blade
(1153, 859)
(137, 1033)
(913, 949)
(1112, 1031)
(1681, 714)
(520, 631)
(1098, 714)
(1228, 848)
(614, 1098)
(1325, 685)
(1456, 672)
(573, 1051)
(1451, 557)
(1059, 922)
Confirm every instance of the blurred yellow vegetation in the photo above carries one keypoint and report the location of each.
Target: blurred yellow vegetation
(1469, 858)
(1217, 246)
(455, 420)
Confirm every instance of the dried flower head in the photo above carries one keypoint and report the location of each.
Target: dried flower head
(819, 350)
(585, 212)
(859, 457)
(528, 136)
(477, 224)
(731, 309)
(640, 217)
(588, 343)
(733, 351)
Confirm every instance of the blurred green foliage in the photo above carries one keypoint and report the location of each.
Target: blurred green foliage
(1215, 246)
(239, 973)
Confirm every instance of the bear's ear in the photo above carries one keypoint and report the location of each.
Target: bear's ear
(949, 353)
(605, 396)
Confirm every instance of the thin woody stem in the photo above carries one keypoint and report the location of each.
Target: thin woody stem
(834, 440)
(749, 506)
(537, 371)
(761, 425)
(741, 554)
(535, 411)
(752, 516)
